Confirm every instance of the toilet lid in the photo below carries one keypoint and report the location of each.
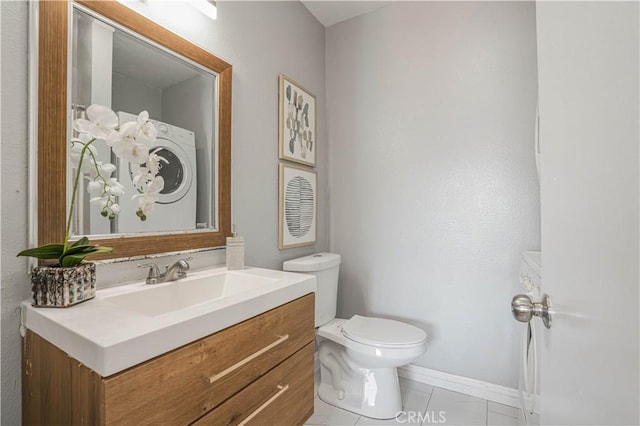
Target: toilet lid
(382, 332)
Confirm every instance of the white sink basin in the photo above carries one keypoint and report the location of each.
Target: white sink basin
(159, 299)
(129, 324)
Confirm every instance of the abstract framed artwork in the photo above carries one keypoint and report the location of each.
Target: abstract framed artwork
(297, 123)
(297, 206)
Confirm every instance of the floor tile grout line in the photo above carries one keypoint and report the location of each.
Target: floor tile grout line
(486, 412)
(426, 409)
(502, 413)
(429, 399)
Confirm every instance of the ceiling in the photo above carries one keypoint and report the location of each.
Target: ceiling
(330, 12)
(148, 65)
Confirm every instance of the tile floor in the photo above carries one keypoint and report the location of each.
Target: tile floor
(431, 403)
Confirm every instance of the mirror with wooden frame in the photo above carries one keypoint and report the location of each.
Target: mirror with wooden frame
(175, 69)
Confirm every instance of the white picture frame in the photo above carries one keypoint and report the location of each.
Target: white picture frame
(297, 206)
(297, 135)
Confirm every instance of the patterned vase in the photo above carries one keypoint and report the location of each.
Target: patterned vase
(61, 287)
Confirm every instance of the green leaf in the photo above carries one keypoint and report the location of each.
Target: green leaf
(84, 241)
(79, 253)
(73, 260)
(79, 249)
(48, 251)
(101, 249)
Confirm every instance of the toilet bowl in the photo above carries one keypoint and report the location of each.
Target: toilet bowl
(358, 370)
(358, 356)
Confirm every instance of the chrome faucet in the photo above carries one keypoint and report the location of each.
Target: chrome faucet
(171, 273)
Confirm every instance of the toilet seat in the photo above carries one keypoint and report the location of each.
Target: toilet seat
(382, 332)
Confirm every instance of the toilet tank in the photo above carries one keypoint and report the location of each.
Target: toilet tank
(325, 267)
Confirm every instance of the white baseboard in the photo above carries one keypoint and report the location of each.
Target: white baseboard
(477, 388)
(489, 391)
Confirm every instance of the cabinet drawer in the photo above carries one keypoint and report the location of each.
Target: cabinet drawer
(179, 387)
(283, 396)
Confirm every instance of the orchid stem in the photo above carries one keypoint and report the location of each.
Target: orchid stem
(73, 195)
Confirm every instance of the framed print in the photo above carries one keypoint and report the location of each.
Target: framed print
(297, 123)
(297, 206)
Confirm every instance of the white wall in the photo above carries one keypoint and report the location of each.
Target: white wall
(434, 194)
(261, 40)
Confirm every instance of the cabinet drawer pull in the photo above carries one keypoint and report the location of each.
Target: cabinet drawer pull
(282, 389)
(250, 358)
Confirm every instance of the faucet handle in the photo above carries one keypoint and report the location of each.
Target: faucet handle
(154, 272)
(183, 267)
(181, 264)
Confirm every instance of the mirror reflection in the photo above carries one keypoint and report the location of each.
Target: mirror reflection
(112, 67)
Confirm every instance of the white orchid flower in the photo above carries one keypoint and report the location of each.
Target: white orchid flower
(94, 186)
(113, 138)
(75, 152)
(131, 142)
(113, 183)
(123, 136)
(108, 207)
(82, 139)
(107, 168)
(155, 186)
(135, 153)
(139, 178)
(143, 117)
(99, 123)
(128, 144)
(154, 163)
(129, 131)
(149, 196)
(149, 186)
(146, 205)
(102, 201)
(115, 191)
(147, 133)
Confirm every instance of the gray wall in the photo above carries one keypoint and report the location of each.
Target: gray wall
(589, 139)
(132, 97)
(13, 138)
(433, 182)
(434, 194)
(182, 105)
(261, 40)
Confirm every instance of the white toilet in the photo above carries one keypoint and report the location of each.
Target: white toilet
(358, 356)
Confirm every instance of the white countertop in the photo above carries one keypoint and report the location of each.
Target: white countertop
(108, 338)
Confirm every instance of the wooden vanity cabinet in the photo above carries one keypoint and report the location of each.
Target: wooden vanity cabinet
(257, 372)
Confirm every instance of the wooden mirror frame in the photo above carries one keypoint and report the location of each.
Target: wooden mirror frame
(53, 17)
